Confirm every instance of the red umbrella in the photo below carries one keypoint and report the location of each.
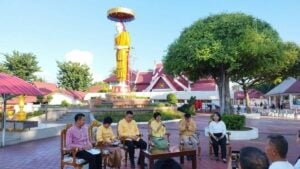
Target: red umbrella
(12, 86)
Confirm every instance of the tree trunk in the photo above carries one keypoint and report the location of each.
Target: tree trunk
(246, 96)
(224, 92)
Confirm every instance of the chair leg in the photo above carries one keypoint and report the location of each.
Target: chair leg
(199, 152)
(126, 157)
(210, 151)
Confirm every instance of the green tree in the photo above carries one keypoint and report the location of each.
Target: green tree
(23, 65)
(104, 86)
(49, 98)
(73, 76)
(219, 46)
(171, 98)
(40, 99)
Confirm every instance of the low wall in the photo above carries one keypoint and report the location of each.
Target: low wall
(53, 114)
(240, 135)
(144, 109)
(43, 131)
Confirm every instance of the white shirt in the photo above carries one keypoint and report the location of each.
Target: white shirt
(217, 127)
(281, 165)
(297, 165)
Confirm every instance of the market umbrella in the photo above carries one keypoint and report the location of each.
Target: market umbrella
(12, 86)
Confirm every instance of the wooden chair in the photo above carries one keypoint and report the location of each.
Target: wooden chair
(197, 133)
(92, 130)
(123, 146)
(228, 145)
(150, 144)
(68, 157)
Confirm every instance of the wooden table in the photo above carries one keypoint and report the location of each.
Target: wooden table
(174, 151)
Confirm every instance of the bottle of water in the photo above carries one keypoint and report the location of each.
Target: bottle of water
(181, 145)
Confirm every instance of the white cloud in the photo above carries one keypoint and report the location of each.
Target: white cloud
(96, 76)
(79, 56)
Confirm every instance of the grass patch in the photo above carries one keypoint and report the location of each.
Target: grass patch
(139, 117)
(34, 114)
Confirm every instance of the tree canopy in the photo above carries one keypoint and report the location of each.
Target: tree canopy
(227, 46)
(23, 65)
(74, 76)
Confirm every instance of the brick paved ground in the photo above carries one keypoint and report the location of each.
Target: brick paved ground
(45, 154)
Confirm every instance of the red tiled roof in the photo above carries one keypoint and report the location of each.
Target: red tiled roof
(183, 81)
(46, 88)
(173, 83)
(94, 89)
(10, 84)
(144, 78)
(295, 88)
(204, 85)
(252, 94)
(141, 87)
(111, 79)
(28, 99)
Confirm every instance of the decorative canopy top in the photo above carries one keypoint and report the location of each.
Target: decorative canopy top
(120, 14)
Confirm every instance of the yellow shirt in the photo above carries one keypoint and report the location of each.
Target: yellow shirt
(126, 129)
(156, 130)
(105, 134)
(189, 130)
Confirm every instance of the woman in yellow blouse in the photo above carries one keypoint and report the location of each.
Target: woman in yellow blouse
(187, 129)
(158, 131)
(106, 136)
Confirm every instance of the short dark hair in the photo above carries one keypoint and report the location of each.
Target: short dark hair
(253, 158)
(156, 114)
(129, 112)
(187, 115)
(166, 164)
(79, 116)
(218, 114)
(280, 144)
(107, 120)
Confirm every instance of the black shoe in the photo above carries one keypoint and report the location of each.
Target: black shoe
(132, 166)
(189, 158)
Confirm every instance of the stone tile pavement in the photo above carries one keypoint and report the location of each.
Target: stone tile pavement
(45, 153)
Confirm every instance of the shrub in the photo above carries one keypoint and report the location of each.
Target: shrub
(33, 114)
(234, 121)
(140, 117)
(64, 103)
(189, 107)
(172, 99)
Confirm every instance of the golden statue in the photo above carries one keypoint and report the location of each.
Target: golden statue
(122, 45)
(21, 115)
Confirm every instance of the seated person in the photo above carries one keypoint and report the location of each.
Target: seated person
(276, 150)
(167, 163)
(128, 130)
(77, 137)
(217, 130)
(106, 136)
(158, 131)
(250, 158)
(187, 129)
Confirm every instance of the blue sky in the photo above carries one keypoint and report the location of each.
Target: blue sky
(56, 30)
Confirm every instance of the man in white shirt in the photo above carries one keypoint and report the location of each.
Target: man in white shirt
(276, 150)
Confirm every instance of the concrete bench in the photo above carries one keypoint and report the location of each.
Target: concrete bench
(20, 125)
